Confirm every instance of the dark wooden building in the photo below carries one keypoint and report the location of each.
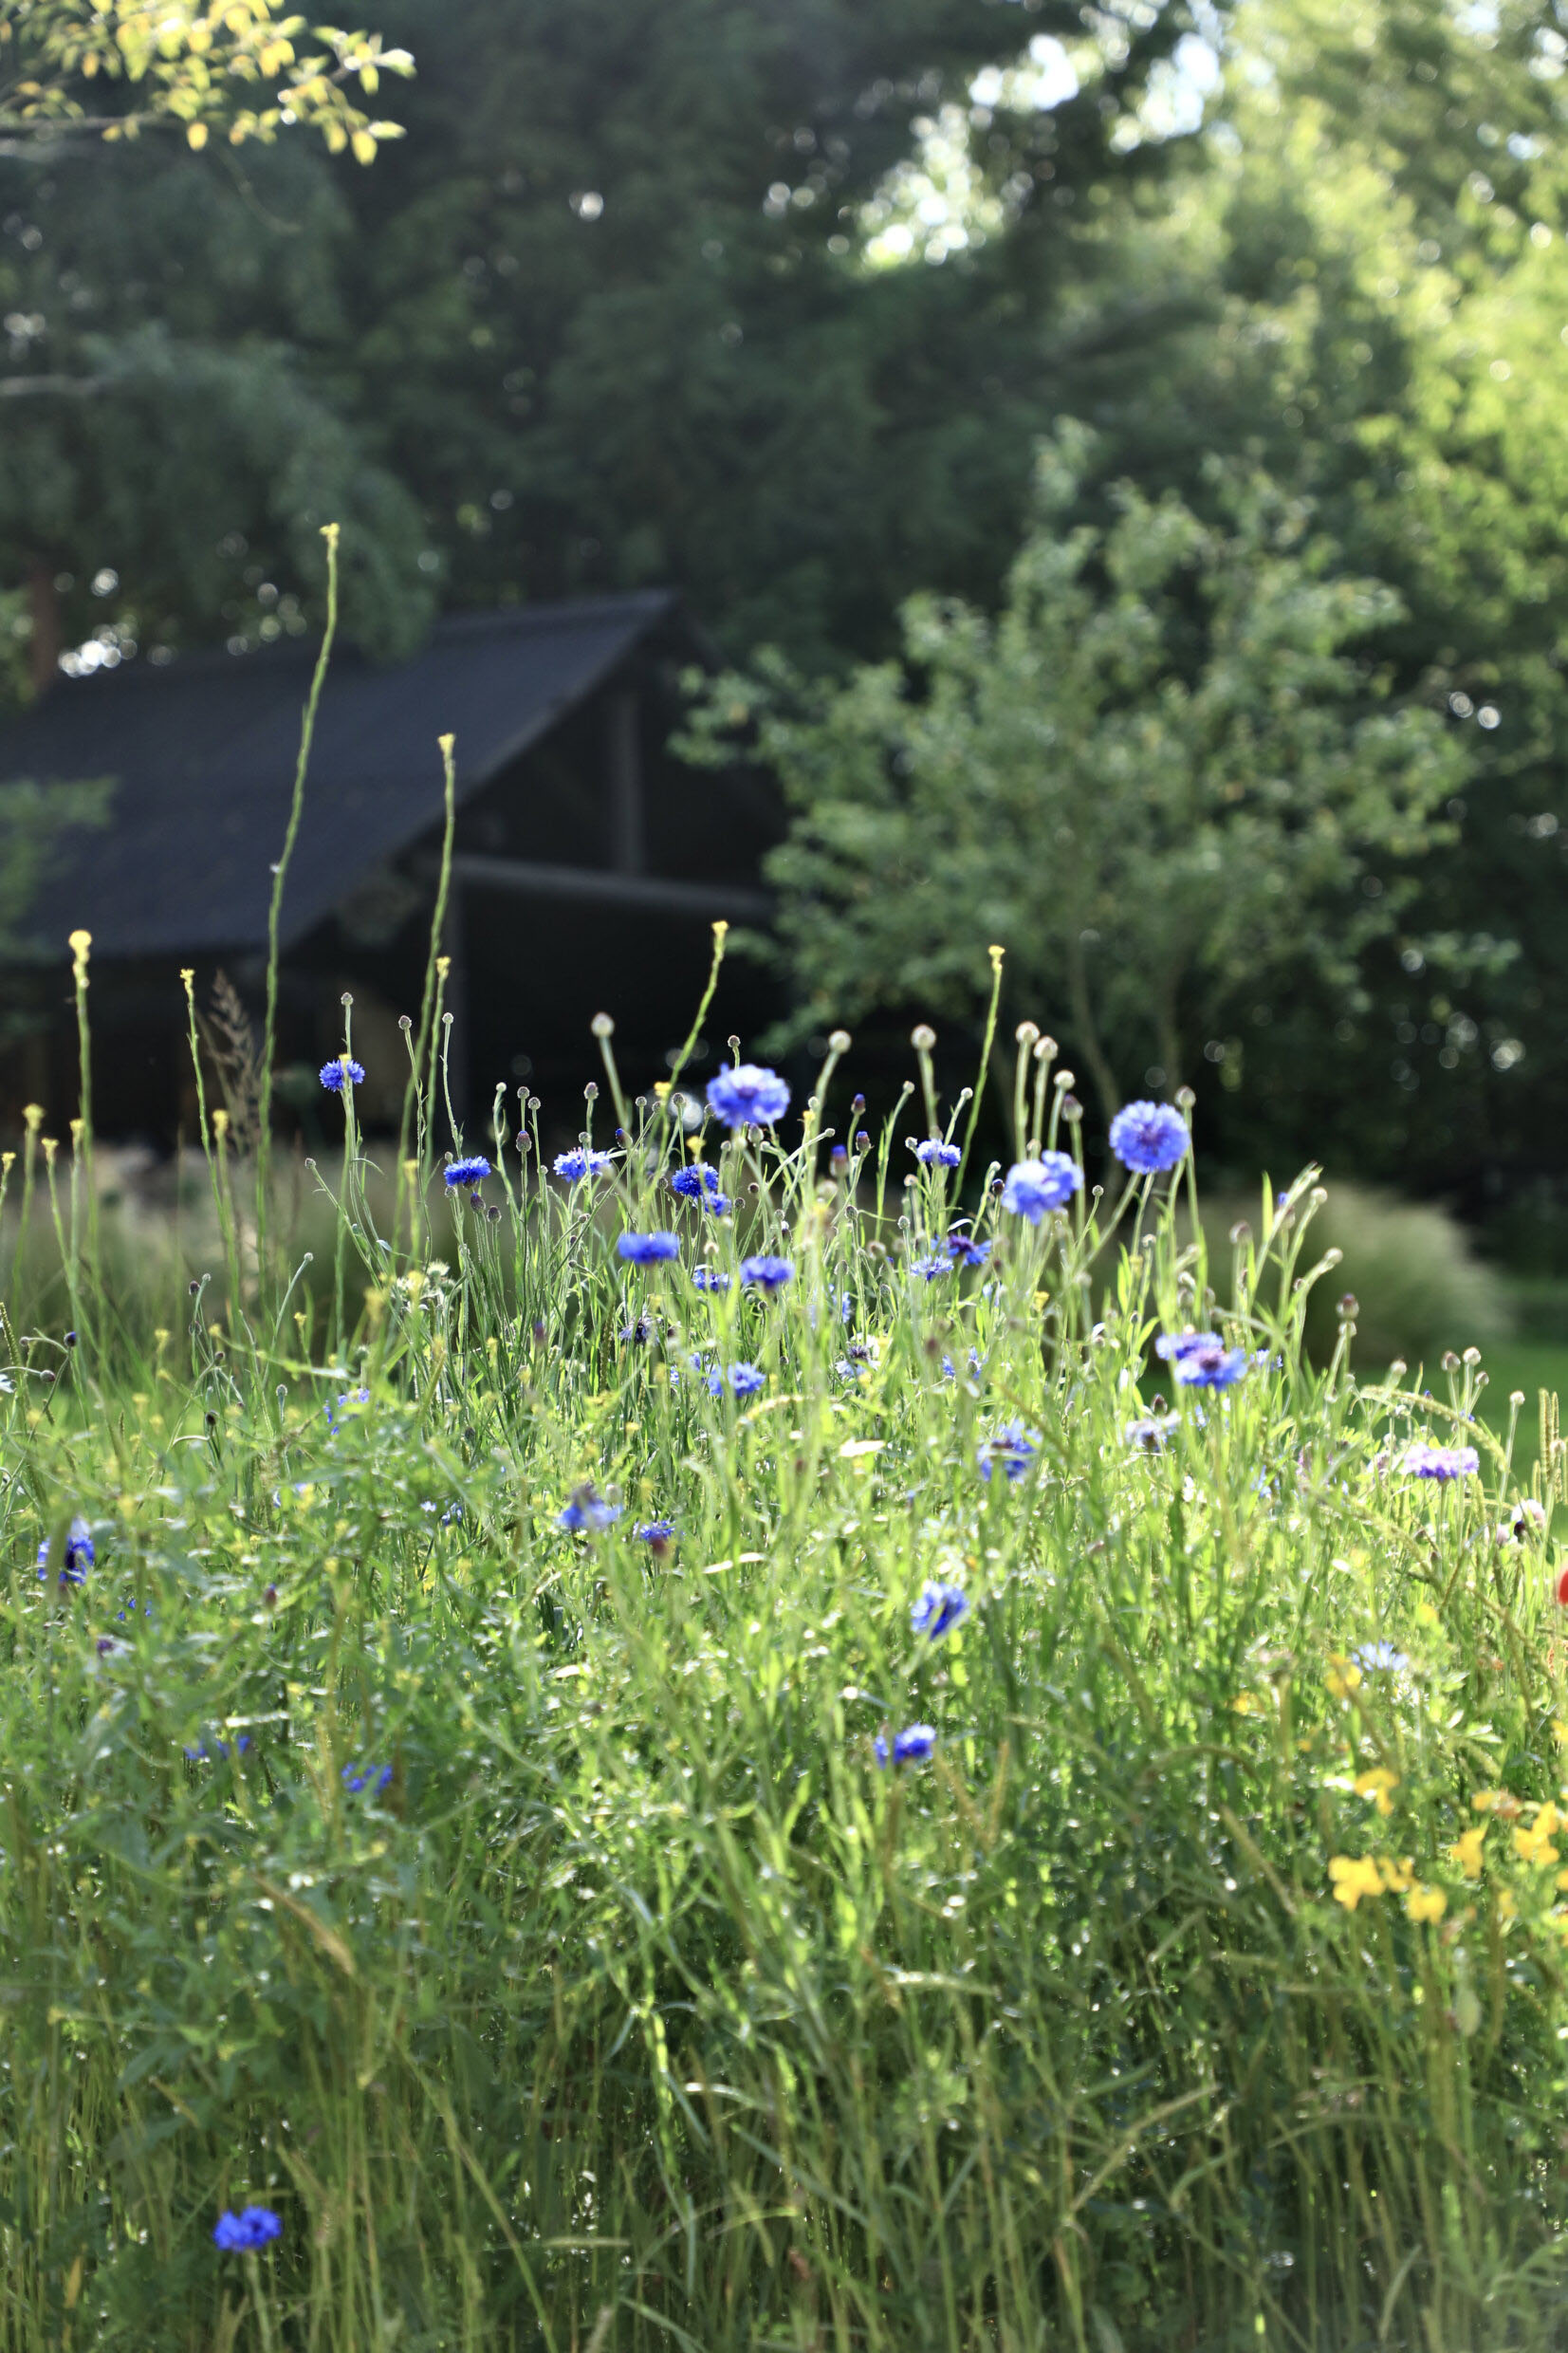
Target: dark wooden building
(589, 865)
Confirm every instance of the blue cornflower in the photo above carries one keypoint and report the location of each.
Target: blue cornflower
(450, 1517)
(767, 1273)
(467, 1172)
(934, 1153)
(1422, 1461)
(838, 1154)
(1382, 1658)
(241, 2233)
(1032, 1187)
(742, 1381)
(656, 1531)
(1148, 1137)
(587, 1510)
(748, 1096)
(80, 1555)
(931, 1267)
(1010, 1448)
(910, 1746)
(341, 1067)
(966, 1251)
(938, 1610)
(711, 1279)
(372, 1777)
(578, 1166)
(1151, 1432)
(1201, 1360)
(219, 1748)
(697, 1183)
(647, 1250)
(848, 1370)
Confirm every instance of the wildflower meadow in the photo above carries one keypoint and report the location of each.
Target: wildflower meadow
(789, 1738)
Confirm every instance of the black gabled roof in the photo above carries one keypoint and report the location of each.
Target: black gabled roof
(203, 754)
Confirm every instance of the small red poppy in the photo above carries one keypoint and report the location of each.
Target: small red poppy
(1562, 1588)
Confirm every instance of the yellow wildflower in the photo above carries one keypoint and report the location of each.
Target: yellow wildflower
(1342, 1676)
(1354, 1876)
(1506, 1907)
(1378, 1784)
(1467, 1851)
(1534, 1845)
(1426, 1904)
(1398, 1877)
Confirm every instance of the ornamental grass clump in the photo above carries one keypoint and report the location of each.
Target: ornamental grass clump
(991, 1814)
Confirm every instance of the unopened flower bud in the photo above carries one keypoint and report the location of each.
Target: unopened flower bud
(838, 1040)
(1026, 1032)
(1064, 1078)
(1071, 1108)
(1185, 1099)
(1349, 1306)
(601, 1026)
(922, 1037)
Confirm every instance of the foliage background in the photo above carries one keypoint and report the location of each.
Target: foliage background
(777, 303)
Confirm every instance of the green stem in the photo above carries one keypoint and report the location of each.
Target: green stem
(274, 912)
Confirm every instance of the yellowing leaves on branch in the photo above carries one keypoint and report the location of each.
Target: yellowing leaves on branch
(236, 70)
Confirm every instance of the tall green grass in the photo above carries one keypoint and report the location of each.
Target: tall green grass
(641, 2007)
(526, 1913)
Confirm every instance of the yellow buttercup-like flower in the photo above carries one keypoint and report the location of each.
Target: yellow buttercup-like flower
(1354, 1876)
(1426, 1904)
(1466, 1852)
(1534, 1844)
(1378, 1785)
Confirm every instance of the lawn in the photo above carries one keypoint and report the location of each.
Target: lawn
(704, 1773)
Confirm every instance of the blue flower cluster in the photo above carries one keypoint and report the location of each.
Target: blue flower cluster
(1443, 1463)
(1032, 1187)
(80, 1555)
(372, 1777)
(1201, 1360)
(648, 1250)
(748, 1096)
(469, 1172)
(1149, 1138)
(938, 1609)
(342, 1067)
(912, 1746)
(700, 1183)
(936, 1153)
(241, 2234)
(767, 1273)
(742, 1381)
(579, 1165)
(1010, 1449)
(587, 1511)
